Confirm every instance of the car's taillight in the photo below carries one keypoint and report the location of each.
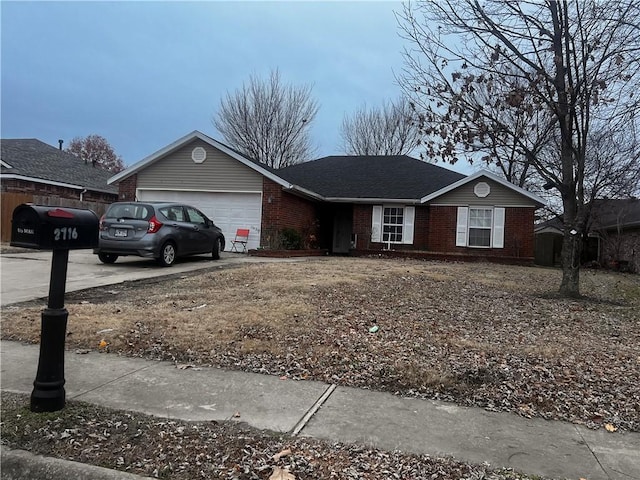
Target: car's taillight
(154, 225)
(102, 225)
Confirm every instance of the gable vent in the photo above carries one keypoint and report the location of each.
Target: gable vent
(199, 155)
(482, 189)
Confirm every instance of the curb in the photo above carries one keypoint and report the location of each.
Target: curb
(23, 465)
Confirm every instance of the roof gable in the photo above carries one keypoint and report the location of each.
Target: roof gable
(32, 160)
(181, 142)
(531, 197)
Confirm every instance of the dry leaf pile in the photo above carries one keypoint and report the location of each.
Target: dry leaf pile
(179, 450)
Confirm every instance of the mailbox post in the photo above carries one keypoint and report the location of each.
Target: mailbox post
(58, 229)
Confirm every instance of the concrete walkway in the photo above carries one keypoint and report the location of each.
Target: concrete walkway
(315, 409)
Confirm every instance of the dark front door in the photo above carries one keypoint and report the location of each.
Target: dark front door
(342, 228)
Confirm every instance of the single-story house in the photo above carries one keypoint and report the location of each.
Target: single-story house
(341, 203)
(33, 171)
(612, 240)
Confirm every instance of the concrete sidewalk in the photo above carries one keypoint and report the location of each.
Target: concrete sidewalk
(315, 409)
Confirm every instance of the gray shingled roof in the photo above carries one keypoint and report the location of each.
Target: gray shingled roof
(392, 177)
(34, 159)
(612, 213)
(606, 214)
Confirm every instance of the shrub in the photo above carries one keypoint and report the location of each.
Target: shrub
(291, 239)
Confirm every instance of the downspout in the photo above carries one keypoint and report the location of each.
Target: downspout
(82, 194)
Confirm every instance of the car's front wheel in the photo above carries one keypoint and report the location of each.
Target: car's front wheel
(167, 255)
(215, 252)
(107, 258)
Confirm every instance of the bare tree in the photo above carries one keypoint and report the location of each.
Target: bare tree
(269, 121)
(563, 65)
(388, 130)
(95, 149)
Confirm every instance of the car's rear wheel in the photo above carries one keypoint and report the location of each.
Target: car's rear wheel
(215, 252)
(107, 257)
(167, 254)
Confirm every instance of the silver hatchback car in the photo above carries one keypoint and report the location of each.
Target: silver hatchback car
(160, 230)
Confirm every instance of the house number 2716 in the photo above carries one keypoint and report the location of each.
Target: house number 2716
(65, 233)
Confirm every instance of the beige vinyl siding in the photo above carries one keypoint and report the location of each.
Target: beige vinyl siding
(219, 172)
(499, 195)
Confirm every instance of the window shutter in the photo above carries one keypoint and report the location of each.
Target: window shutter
(498, 227)
(376, 224)
(461, 228)
(407, 227)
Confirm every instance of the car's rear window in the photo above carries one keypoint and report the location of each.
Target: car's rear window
(130, 211)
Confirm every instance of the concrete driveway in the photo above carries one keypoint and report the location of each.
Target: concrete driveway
(25, 276)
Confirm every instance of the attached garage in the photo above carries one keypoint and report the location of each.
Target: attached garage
(200, 171)
(229, 211)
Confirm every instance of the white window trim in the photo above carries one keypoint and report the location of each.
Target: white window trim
(408, 221)
(497, 227)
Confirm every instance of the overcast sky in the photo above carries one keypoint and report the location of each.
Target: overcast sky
(143, 74)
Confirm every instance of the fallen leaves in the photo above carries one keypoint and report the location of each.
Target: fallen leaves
(180, 450)
(476, 334)
(281, 474)
(281, 454)
(610, 428)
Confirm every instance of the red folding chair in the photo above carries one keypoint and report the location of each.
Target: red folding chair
(242, 237)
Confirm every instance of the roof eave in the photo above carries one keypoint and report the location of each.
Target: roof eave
(372, 200)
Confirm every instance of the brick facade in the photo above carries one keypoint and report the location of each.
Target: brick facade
(281, 209)
(127, 188)
(48, 190)
(362, 227)
(518, 233)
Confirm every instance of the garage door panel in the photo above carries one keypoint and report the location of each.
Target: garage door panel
(229, 211)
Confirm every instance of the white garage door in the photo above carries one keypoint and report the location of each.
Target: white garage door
(229, 211)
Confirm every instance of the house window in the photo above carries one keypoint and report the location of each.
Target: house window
(480, 227)
(392, 221)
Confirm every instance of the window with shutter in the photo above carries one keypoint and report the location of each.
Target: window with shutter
(393, 224)
(481, 227)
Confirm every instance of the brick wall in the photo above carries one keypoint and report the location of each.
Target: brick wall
(362, 227)
(127, 188)
(281, 209)
(47, 190)
(518, 233)
(519, 239)
(421, 229)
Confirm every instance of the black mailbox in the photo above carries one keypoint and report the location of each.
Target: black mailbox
(53, 228)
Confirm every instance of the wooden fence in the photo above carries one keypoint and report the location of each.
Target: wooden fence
(9, 201)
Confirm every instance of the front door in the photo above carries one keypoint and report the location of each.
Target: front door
(342, 228)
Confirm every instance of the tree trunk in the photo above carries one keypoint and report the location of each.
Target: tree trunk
(570, 255)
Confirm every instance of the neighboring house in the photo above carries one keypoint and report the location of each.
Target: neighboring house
(617, 226)
(613, 236)
(32, 166)
(341, 203)
(33, 171)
